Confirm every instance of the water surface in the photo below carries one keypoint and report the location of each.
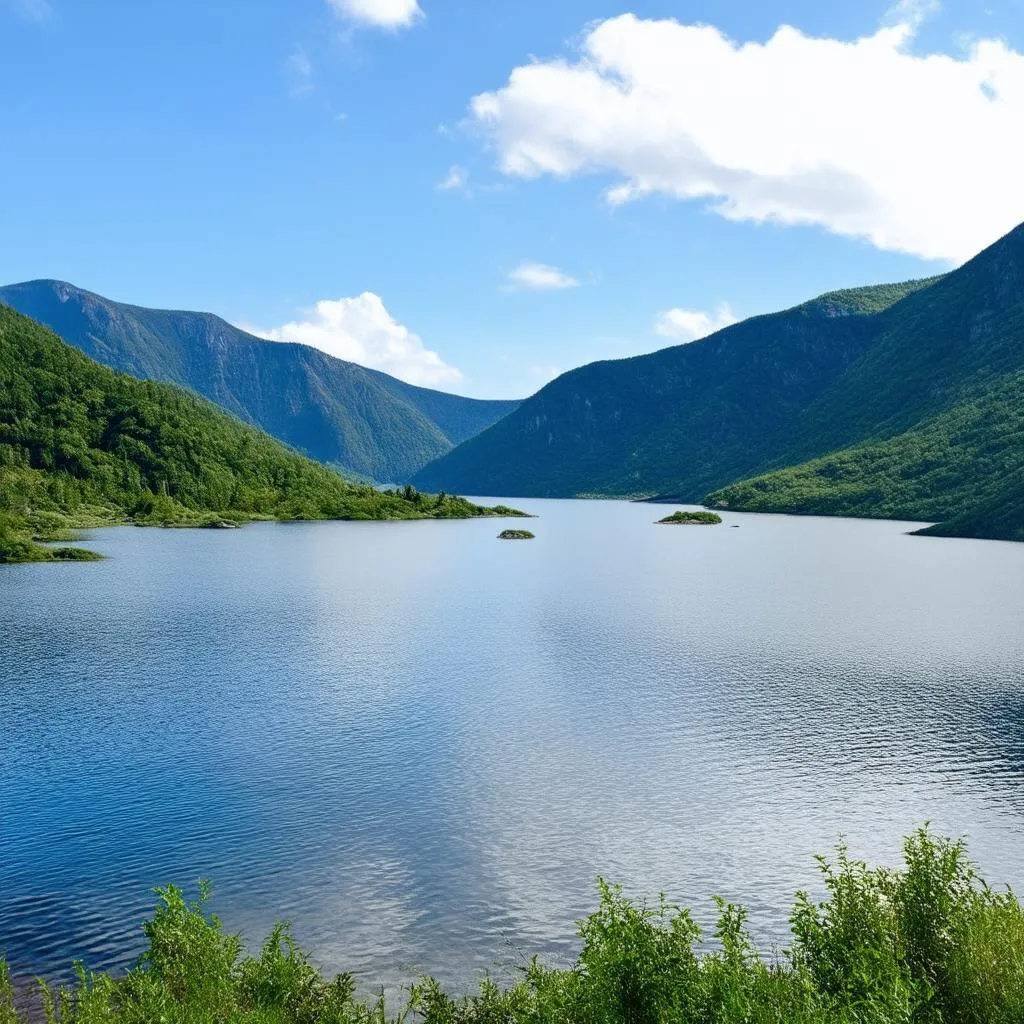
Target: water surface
(422, 744)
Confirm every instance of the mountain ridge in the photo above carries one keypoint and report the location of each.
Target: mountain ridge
(81, 444)
(620, 427)
(359, 420)
(902, 401)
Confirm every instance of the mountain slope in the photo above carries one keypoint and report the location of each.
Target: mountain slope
(998, 517)
(905, 403)
(686, 419)
(357, 419)
(935, 348)
(935, 412)
(458, 418)
(957, 460)
(79, 441)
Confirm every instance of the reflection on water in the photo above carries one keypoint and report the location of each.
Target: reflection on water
(422, 745)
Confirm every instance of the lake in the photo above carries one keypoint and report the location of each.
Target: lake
(422, 745)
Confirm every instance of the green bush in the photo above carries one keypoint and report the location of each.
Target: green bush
(928, 944)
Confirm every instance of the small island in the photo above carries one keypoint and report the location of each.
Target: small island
(691, 519)
(515, 535)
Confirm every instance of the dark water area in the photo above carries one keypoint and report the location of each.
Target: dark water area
(421, 744)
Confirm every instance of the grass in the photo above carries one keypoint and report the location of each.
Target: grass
(691, 519)
(929, 943)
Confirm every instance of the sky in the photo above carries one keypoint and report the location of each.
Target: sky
(477, 195)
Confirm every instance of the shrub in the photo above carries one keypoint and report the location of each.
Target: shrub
(930, 944)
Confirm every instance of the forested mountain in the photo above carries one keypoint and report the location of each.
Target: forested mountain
(930, 424)
(359, 420)
(1000, 516)
(685, 419)
(80, 443)
(906, 402)
(940, 469)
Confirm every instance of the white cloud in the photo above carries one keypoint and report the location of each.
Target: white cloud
(300, 70)
(917, 154)
(456, 180)
(361, 330)
(911, 12)
(391, 14)
(691, 324)
(539, 277)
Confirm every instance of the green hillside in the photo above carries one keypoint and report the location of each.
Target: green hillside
(363, 422)
(1000, 516)
(81, 444)
(899, 401)
(681, 421)
(936, 348)
(935, 414)
(950, 463)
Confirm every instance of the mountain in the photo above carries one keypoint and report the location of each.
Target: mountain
(904, 401)
(684, 420)
(361, 421)
(949, 463)
(81, 443)
(930, 424)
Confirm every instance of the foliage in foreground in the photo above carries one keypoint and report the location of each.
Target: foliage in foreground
(82, 445)
(929, 944)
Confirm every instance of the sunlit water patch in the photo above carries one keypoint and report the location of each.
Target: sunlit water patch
(422, 745)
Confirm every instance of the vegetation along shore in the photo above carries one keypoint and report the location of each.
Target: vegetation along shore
(929, 943)
(84, 446)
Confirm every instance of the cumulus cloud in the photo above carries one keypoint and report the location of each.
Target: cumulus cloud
(456, 180)
(915, 153)
(539, 277)
(691, 324)
(361, 330)
(391, 14)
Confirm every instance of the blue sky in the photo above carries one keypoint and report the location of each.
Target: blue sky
(623, 184)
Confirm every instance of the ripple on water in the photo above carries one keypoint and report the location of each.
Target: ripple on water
(422, 746)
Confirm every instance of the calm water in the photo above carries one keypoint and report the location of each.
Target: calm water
(422, 745)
